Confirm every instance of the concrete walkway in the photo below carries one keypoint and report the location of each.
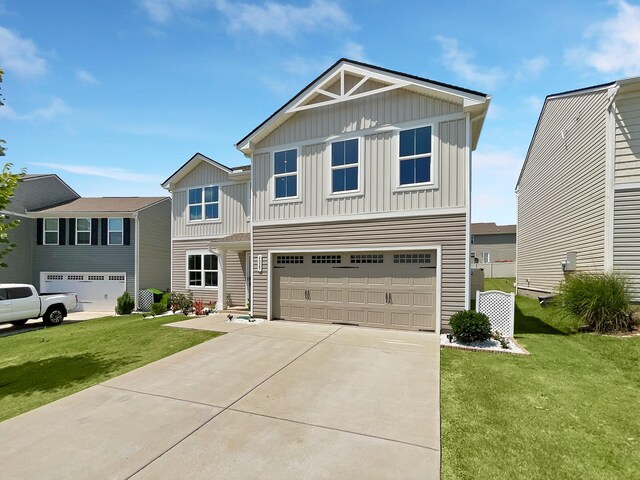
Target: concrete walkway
(277, 400)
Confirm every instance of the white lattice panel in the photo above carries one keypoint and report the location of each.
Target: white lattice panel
(499, 307)
(145, 299)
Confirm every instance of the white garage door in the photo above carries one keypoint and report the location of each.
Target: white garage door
(381, 289)
(96, 291)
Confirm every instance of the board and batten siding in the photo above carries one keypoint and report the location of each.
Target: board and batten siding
(627, 141)
(233, 208)
(85, 258)
(378, 161)
(626, 237)
(154, 254)
(448, 231)
(561, 194)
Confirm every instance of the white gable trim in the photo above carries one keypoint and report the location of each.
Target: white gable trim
(191, 164)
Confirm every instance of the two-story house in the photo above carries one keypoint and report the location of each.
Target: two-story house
(493, 249)
(210, 231)
(579, 189)
(95, 247)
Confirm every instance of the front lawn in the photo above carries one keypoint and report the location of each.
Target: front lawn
(570, 410)
(41, 366)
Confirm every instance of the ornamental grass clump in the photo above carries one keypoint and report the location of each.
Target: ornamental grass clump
(601, 300)
(469, 326)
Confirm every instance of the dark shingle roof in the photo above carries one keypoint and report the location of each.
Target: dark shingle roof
(103, 204)
(491, 228)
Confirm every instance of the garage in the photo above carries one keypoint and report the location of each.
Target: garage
(395, 289)
(96, 290)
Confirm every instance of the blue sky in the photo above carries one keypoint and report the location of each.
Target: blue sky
(114, 96)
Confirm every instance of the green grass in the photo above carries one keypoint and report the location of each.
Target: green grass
(502, 284)
(570, 410)
(42, 366)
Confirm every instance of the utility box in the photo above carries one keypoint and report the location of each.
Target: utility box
(569, 264)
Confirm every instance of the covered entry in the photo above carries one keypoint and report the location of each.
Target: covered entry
(395, 289)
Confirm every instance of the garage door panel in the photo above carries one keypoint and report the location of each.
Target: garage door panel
(335, 315)
(376, 298)
(334, 296)
(317, 313)
(422, 299)
(375, 318)
(96, 290)
(400, 319)
(356, 296)
(355, 316)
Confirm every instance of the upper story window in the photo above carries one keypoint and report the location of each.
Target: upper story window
(204, 203)
(344, 166)
(83, 231)
(51, 231)
(115, 232)
(285, 173)
(415, 156)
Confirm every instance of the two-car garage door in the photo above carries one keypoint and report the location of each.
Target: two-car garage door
(382, 289)
(97, 291)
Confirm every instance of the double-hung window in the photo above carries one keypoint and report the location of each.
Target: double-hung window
(285, 174)
(83, 231)
(51, 226)
(202, 270)
(344, 166)
(204, 203)
(115, 233)
(415, 156)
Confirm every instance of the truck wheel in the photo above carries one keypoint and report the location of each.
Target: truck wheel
(54, 316)
(19, 323)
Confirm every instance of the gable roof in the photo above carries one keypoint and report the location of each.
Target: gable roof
(196, 160)
(102, 205)
(473, 101)
(38, 176)
(490, 228)
(615, 86)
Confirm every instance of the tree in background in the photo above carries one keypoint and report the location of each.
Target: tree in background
(8, 183)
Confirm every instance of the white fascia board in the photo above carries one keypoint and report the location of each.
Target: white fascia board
(189, 166)
(80, 215)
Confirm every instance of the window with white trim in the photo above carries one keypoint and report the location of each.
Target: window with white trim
(415, 156)
(51, 234)
(345, 164)
(83, 231)
(367, 258)
(285, 174)
(115, 233)
(202, 270)
(204, 203)
(485, 257)
(326, 258)
(284, 259)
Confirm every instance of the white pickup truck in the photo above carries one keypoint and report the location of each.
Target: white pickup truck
(21, 302)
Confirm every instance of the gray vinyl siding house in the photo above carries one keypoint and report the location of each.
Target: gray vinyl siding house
(361, 200)
(493, 249)
(95, 247)
(579, 188)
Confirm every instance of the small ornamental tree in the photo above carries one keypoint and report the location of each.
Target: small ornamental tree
(8, 183)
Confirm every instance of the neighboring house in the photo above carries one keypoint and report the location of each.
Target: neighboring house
(579, 188)
(361, 200)
(211, 240)
(493, 248)
(95, 247)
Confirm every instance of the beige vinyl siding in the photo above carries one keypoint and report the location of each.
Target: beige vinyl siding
(155, 246)
(378, 161)
(386, 108)
(203, 174)
(626, 237)
(562, 190)
(449, 231)
(179, 269)
(233, 211)
(234, 278)
(627, 128)
(19, 261)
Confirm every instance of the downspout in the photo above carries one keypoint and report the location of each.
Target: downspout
(609, 183)
(136, 271)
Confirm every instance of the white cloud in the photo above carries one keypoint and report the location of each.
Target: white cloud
(531, 68)
(85, 77)
(459, 62)
(161, 11)
(355, 51)
(100, 171)
(613, 45)
(56, 107)
(19, 56)
(534, 103)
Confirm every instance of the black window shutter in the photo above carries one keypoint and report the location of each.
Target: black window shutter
(62, 231)
(105, 231)
(126, 231)
(94, 231)
(72, 231)
(39, 229)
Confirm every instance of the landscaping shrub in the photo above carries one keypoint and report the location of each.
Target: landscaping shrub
(601, 300)
(469, 326)
(181, 301)
(125, 304)
(198, 307)
(158, 308)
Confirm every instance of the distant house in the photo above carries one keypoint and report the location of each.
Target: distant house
(493, 248)
(95, 247)
(579, 188)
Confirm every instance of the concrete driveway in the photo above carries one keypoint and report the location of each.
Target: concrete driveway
(277, 400)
